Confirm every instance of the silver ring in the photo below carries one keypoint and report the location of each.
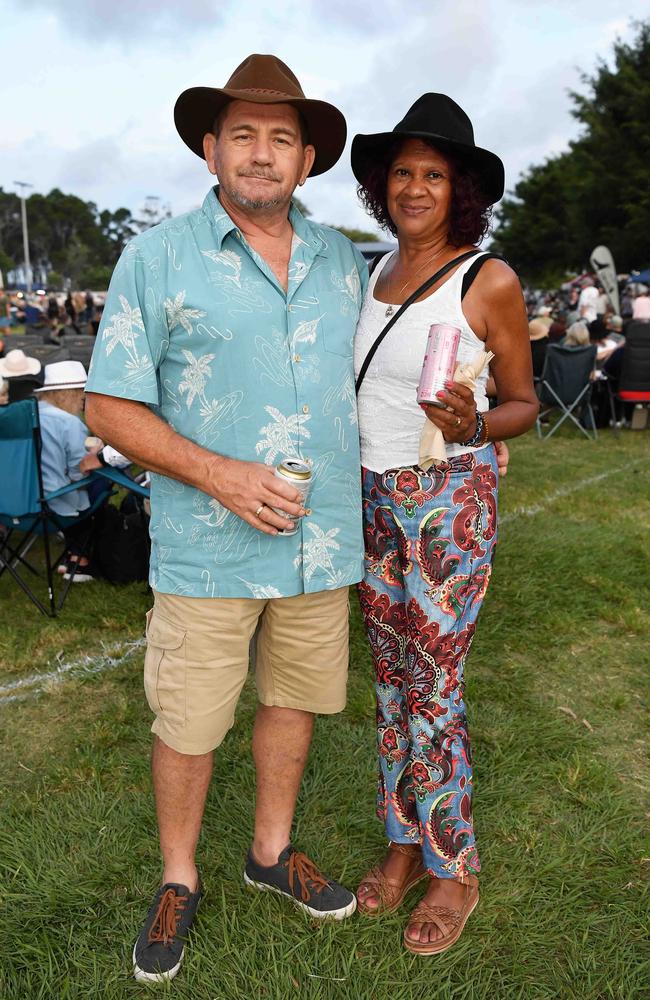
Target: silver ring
(260, 509)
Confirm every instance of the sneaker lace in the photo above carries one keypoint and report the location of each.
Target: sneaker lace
(307, 872)
(165, 922)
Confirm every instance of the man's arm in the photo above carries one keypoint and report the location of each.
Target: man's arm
(133, 429)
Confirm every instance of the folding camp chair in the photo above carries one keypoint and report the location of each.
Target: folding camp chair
(25, 510)
(633, 383)
(566, 385)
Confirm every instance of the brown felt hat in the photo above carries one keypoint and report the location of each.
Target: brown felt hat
(262, 80)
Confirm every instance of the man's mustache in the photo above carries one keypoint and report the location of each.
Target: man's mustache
(260, 174)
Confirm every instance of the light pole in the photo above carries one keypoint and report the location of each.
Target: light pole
(23, 211)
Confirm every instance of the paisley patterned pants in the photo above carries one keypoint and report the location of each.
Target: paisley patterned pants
(429, 540)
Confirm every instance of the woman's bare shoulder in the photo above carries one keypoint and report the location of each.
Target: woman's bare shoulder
(497, 280)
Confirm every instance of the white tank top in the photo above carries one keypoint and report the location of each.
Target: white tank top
(390, 420)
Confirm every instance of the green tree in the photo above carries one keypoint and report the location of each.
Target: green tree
(596, 192)
(357, 235)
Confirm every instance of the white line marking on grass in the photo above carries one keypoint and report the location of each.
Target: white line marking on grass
(563, 491)
(113, 656)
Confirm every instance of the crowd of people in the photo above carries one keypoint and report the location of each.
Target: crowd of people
(580, 314)
(53, 314)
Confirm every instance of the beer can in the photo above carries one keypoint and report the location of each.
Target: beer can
(439, 362)
(297, 474)
(93, 443)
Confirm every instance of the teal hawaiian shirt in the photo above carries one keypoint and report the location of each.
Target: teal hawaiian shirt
(197, 326)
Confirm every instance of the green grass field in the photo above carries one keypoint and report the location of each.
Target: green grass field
(557, 694)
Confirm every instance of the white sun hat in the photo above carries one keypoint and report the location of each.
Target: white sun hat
(17, 363)
(64, 375)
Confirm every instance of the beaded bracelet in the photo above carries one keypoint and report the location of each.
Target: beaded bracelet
(480, 436)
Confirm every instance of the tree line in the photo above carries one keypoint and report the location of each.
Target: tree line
(69, 236)
(74, 240)
(598, 191)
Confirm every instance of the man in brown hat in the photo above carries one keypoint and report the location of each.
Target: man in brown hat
(235, 323)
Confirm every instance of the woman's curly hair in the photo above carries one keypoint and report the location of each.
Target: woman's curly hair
(471, 212)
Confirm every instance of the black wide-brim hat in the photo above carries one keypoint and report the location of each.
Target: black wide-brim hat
(440, 120)
(262, 80)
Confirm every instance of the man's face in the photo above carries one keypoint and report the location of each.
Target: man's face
(258, 156)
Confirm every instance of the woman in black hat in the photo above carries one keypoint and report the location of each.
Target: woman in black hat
(430, 534)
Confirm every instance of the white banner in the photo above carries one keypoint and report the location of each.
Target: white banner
(603, 264)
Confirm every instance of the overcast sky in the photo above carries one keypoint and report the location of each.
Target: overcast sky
(88, 86)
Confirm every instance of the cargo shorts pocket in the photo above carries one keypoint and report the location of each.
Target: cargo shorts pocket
(165, 669)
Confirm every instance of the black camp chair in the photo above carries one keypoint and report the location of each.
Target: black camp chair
(565, 385)
(632, 383)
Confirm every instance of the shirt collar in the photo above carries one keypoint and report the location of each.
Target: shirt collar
(307, 232)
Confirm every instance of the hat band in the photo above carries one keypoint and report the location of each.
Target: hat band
(266, 90)
(61, 385)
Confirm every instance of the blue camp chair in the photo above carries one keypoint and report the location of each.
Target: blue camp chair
(25, 509)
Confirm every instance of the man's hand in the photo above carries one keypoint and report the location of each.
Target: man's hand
(248, 489)
(89, 462)
(245, 487)
(503, 457)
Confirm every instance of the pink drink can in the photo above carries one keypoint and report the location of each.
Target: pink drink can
(439, 362)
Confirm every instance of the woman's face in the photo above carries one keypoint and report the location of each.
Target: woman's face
(418, 190)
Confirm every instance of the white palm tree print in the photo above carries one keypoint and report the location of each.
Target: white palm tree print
(180, 315)
(316, 551)
(126, 326)
(282, 435)
(194, 375)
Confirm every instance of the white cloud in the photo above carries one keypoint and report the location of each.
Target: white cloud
(130, 21)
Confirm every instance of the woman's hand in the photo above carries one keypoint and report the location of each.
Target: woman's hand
(457, 420)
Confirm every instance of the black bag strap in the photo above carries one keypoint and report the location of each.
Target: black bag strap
(473, 269)
(445, 269)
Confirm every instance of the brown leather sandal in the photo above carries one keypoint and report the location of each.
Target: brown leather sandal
(391, 892)
(449, 922)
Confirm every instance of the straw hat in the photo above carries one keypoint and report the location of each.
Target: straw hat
(262, 80)
(64, 375)
(17, 363)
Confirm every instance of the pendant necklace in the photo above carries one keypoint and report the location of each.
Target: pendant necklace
(429, 260)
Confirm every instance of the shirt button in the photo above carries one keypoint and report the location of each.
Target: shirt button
(291, 309)
(305, 409)
(309, 461)
(297, 357)
(307, 511)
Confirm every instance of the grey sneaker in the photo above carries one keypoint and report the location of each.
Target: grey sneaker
(159, 950)
(297, 877)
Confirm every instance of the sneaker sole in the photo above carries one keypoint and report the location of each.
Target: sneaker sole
(155, 977)
(340, 914)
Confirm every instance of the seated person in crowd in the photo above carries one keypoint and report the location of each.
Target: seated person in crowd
(557, 328)
(538, 333)
(641, 305)
(614, 325)
(63, 436)
(4, 392)
(598, 334)
(577, 335)
(23, 374)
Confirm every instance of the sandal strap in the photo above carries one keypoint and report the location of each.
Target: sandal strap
(443, 917)
(388, 890)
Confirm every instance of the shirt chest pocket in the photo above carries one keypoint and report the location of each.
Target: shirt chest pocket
(338, 335)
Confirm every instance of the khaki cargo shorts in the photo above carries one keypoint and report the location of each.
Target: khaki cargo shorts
(198, 652)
